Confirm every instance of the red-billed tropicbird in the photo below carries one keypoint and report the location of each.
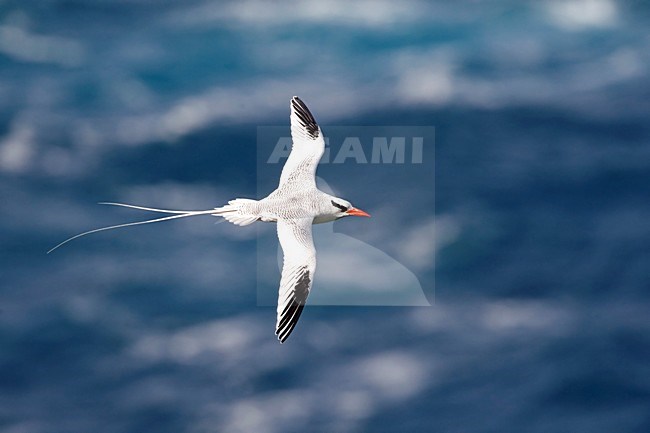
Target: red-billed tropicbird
(295, 205)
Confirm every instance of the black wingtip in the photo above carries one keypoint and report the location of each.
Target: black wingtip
(290, 321)
(294, 308)
(304, 115)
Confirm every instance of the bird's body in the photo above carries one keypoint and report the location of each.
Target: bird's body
(294, 206)
(285, 204)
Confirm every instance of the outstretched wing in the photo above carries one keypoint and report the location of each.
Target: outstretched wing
(297, 273)
(308, 147)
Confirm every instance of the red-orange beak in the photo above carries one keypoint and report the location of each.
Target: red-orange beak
(353, 211)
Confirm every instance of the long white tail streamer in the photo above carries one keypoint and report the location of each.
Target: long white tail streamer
(150, 209)
(177, 214)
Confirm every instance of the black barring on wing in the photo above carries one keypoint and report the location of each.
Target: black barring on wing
(306, 118)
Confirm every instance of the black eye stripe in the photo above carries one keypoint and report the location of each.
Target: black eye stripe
(343, 208)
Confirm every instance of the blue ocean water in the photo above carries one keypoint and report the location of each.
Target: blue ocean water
(536, 267)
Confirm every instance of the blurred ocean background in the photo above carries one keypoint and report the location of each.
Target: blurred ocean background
(542, 216)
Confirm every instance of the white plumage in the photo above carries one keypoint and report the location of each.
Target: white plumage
(295, 205)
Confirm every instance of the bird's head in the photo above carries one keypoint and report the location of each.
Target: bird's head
(342, 208)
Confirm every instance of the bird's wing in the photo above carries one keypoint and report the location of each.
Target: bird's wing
(308, 147)
(297, 272)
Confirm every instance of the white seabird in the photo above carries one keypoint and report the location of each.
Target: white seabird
(294, 206)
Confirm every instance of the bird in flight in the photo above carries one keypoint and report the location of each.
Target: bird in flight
(294, 206)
